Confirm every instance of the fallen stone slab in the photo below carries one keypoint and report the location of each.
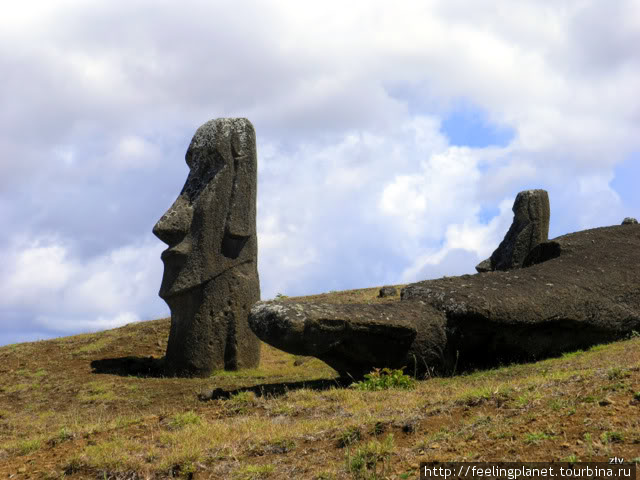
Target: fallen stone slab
(572, 292)
(355, 338)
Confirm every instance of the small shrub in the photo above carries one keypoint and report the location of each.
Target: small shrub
(612, 437)
(281, 296)
(636, 396)
(349, 436)
(385, 379)
(617, 373)
(28, 446)
(364, 460)
(378, 428)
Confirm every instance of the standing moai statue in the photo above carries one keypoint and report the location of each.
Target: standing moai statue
(530, 227)
(210, 279)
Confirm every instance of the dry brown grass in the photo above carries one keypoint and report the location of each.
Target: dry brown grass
(60, 419)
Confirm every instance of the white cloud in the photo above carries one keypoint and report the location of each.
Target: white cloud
(66, 324)
(65, 293)
(461, 240)
(134, 152)
(38, 267)
(423, 203)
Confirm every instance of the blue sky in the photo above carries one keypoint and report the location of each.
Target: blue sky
(391, 141)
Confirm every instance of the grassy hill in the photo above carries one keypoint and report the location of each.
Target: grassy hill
(60, 418)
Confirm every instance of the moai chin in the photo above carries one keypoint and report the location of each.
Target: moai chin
(210, 279)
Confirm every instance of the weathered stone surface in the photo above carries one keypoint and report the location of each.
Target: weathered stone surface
(355, 338)
(387, 291)
(629, 221)
(530, 227)
(210, 277)
(575, 291)
(484, 266)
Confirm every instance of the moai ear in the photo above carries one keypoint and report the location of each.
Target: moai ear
(242, 205)
(241, 217)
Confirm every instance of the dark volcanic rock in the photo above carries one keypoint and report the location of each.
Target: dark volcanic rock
(355, 338)
(387, 292)
(577, 290)
(210, 268)
(629, 221)
(530, 227)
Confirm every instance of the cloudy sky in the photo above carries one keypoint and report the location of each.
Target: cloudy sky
(392, 138)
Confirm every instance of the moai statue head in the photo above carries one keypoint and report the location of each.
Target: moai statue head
(530, 227)
(214, 217)
(210, 268)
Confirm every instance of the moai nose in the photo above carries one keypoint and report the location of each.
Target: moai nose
(175, 223)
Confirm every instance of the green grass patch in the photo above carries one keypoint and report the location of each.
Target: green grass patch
(28, 446)
(475, 396)
(240, 402)
(17, 388)
(370, 460)
(63, 435)
(612, 437)
(618, 373)
(527, 399)
(116, 453)
(254, 472)
(244, 373)
(95, 346)
(536, 438)
(181, 420)
(97, 392)
(575, 354)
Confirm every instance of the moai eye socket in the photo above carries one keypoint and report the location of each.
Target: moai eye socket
(203, 167)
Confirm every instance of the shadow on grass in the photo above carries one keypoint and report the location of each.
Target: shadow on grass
(277, 389)
(154, 367)
(130, 366)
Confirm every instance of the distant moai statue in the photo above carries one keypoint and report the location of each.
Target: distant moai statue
(210, 279)
(530, 227)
